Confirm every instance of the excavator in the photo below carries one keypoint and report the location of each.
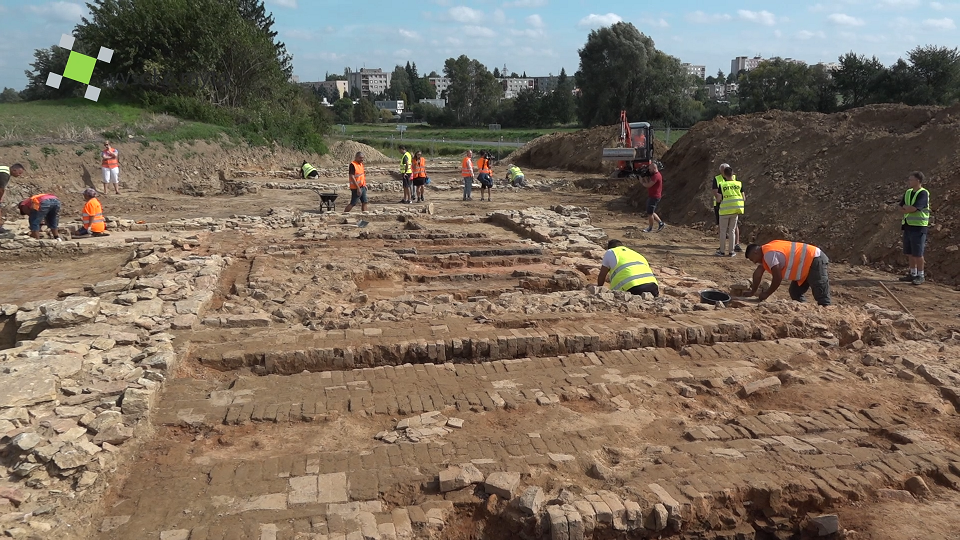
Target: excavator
(634, 150)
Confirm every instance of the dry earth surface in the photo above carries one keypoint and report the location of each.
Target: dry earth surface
(243, 365)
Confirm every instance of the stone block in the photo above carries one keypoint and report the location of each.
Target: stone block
(657, 521)
(177, 534)
(917, 486)
(114, 434)
(246, 321)
(184, 322)
(402, 523)
(826, 524)
(502, 484)
(770, 383)
(531, 501)
(448, 479)
(898, 495)
(25, 387)
(72, 311)
(332, 488)
(303, 490)
(559, 527)
(575, 528)
(136, 402)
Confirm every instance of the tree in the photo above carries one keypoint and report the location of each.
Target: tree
(399, 84)
(365, 112)
(777, 84)
(424, 89)
(335, 77)
(9, 95)
(255, 12)
(496, 73)
(937, 70)
(527, 110)
(354, 92)
(562, 100)
(857, 79)
(473, 91)
(824, 89)
(343, 111)
(46, 61)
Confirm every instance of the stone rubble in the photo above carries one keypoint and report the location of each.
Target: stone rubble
(427, 426)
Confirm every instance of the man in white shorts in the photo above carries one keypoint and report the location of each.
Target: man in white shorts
(111, 167)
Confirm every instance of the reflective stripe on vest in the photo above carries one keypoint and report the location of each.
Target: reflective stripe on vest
(93, 216)
(799, 257)
(110, 163)
(405, 161)
(719, 179)
(307, 169)
(632, 270)
(732, 202)
(466, 168)
(514, 172)
(419, 168)
(359, 177)
(920, 218)
(4, 169)
(483, 166)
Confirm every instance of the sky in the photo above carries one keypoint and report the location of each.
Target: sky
(540, 36)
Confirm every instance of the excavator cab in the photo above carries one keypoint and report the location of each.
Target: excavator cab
(634, 150)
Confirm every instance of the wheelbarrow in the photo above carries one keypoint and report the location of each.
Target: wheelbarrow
(327, 202)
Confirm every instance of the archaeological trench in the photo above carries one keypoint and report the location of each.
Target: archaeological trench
(434, 374)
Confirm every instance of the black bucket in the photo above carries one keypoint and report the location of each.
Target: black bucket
(712, 297)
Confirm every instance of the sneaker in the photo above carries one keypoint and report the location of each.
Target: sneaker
(733, 255)
(648, 229)
(662, 225)
(917, 280)
(738, 249)
(908, 278)
(720, 253)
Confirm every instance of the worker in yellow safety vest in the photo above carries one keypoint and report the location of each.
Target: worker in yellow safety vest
(628, 270)
(915, 207)
(308, 171)
(406, 175)
(730, 209)
(718, 196)
(804, 265)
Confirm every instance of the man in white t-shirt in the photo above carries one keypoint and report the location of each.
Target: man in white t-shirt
(804, 265)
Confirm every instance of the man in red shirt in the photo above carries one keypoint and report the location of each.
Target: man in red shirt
(654, 185)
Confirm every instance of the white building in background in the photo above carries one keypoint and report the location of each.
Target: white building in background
(829, 66)
(513, 86)
(440, 83)
(335, 89)
(697, 71)
(743, 63)
(438, 103)
(369, 81)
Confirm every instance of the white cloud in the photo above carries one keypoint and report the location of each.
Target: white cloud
(292, 4)
(806, 34)
(596, 21)
(410, 35)
(402, 53)
(525, 4)
(479, 31)
(662, 23)
(939, 24)
(845, 20)
(453, 41)
(699, 17)
(818, 8)
(466, 15)
(535, 21)
(900, 4)
(759, 17)
(60, 11)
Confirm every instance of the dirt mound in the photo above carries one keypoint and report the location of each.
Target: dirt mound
(577, 152)
(344, 151)
(830, 180)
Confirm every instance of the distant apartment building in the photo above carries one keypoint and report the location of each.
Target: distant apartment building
(440, 83)
(743, 63)
(829, 66)
(335, 89)
(513, 86)
(370, 82)
(720, 91)
(697, 71)
(438, 103)
(545, 84)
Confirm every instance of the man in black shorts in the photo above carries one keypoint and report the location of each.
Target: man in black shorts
(14, 171)
(915, 207)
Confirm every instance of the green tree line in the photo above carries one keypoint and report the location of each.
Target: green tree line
(215, 61)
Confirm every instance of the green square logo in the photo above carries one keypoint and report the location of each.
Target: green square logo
(79, 67)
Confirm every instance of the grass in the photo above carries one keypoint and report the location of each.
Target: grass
(82, 120)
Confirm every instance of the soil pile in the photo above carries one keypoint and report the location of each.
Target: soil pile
(830, 180)
(578, 152)
(343, 152)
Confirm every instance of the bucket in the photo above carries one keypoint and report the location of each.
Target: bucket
(712, 297)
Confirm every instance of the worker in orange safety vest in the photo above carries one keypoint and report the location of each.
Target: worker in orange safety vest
(94, 223)
(803, 264)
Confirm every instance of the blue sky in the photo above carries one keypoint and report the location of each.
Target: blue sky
(541, 36)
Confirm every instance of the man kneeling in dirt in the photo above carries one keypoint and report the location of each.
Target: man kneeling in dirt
(803, 264)
(93, 222)
(628, 270)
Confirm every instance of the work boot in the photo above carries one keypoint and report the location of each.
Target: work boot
(917, 280)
